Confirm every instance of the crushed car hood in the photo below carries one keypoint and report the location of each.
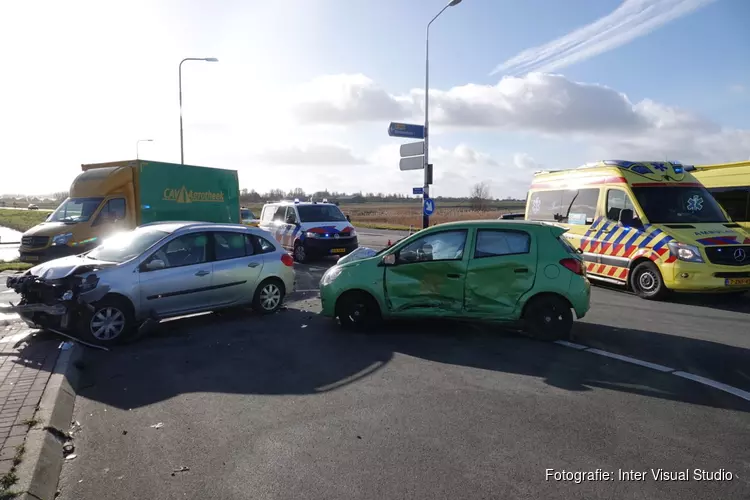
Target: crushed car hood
(60, 268)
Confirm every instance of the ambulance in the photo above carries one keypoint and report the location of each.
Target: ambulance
(649, 226)
(729, 183)
(309, 229)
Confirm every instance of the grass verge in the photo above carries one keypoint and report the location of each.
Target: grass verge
(15, 265)
(21, 220)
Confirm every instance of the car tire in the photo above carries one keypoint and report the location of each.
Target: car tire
(548, 317)
(269, 296)
(111, 322)
(299, 253)
(646, 281)
(358, 311)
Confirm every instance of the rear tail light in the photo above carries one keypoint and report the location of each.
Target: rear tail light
(574, 266)
(287, 259)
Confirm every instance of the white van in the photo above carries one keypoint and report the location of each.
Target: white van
(309, 229)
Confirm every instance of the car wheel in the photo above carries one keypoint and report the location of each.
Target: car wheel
(300, 254)
(268, 296)
(111, 322)
(548, 317)
(358, 311)
(646, 281)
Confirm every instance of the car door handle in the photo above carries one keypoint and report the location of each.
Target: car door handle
(202, 273)
(253, 264)
(454, 276)
(521, 270)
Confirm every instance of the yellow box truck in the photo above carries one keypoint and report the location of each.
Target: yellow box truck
(110, 197)
(730, 185)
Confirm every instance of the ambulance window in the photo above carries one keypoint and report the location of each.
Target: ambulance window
(735, 200)
(580, 206)
(616, 201)
(545, 205)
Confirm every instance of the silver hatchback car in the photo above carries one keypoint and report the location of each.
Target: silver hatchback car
(154, 272)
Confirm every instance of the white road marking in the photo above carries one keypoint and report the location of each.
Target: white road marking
(661, 368)
(716, 385)
(571, 344)
(628, 359)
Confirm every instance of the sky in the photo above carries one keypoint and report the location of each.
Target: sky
(304, 90)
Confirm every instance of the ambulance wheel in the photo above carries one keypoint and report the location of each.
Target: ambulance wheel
(646, 281)
(300, 254)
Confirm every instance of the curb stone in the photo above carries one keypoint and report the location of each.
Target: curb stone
(39, 472)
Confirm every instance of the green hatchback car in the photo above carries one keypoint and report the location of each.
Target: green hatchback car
(488, 270)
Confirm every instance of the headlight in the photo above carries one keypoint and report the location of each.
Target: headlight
(88, 284)
(310, 234)
(353, 232)
(685, 252)
(330, 275)
(62, 239)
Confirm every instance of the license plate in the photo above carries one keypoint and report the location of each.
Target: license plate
(737, 282)
(338, 250)
(29, 258)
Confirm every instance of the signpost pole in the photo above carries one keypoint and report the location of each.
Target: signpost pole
(426, 192)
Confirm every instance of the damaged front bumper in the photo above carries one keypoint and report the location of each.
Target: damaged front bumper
(54, 303)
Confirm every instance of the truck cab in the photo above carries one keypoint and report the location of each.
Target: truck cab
(101, 202)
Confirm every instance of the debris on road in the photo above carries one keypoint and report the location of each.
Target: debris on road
(68, 448)
(183, 468)
(157, 426)
(72, 456)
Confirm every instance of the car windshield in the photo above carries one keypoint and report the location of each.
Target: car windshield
(125, 246)
(75, 210)
(678, 204)
(320, 213)
(246, 214)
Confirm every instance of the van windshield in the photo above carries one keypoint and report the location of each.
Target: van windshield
(320, 213)
(678, 204)
(75, 210)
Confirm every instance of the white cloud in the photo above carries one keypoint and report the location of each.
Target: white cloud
(631, 20)
(525, 161)
(317, 154)
(738, 88)
(346, 99)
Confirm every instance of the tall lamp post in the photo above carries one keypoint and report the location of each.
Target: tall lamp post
(427, 170)
(138, 143)
(208, 59)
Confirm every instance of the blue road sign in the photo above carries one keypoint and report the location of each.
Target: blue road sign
(429, 206)
(417, 190)
(406, 130)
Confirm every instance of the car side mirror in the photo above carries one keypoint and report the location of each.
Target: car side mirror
(389, 260)
(349, 218)
(155, 264)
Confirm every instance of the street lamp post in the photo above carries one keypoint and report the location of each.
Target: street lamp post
(427, 170)
(208, 59)
(138, 143)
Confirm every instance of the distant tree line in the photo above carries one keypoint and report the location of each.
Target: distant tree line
(479, 198)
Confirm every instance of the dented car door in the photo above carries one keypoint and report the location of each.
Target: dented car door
(428, 276)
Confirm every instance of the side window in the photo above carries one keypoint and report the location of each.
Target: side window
(268, 213)
(580, 206)
(492, 243)
(113, 210)
(258, 244)
(229, 245)
(447, 245)
(280, 214)
(617, 201)
(291, 216)
(735, 200)
(185, 250)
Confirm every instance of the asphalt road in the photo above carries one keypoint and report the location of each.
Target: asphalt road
(288, 406)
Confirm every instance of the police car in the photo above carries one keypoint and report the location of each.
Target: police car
(309, 229)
